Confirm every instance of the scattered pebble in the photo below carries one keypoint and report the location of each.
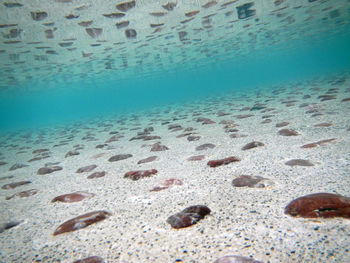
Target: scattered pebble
(188, 217)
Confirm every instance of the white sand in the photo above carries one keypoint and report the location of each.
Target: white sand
(243, 221)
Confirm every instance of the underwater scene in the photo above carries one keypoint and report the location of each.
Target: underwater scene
(174, 131)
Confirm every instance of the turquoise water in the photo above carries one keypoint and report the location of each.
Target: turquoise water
(288, 62)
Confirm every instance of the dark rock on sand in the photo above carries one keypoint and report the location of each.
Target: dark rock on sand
(196, 158)
(96, 175)
(251, 181)
(323, 124)
(126, 6)
(148, 160)
(236, 135)
(85, 169)
(299, 162)
(193, 138)
(17, 166)
(137, 175)
(72, 197)
(2, 163)
(157, 147)
(252, 145)
(188, 217)
(48, 169)
(324, 205)
(93, 259)
(39, 15)
(288, 132)
(14, 185)
(236, 259)
(282, 124)
(318, 143)
(215, 163)
(6, 226)
(165, 184)
(71, 153)
(23, 194)
(205, 146)
(81, 222)
(119, 157)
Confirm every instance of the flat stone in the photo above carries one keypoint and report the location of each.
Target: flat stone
(282, 124)
(288, 132)
(165, 184)
(157, 147)
(324, 205)
(92, 259)
(81, 222)
(188, 217)
(299, 162)
(17, 166)
(318, 143)
(23, 194)
(72, 197)
(148, 159)
(205, 146)
(48, 169)
(16, 184)
(196, 158)
(251, 181)
(225, 161)
(137, 175)
(96, 175)
(236, 259)
(119, 157)
(85, 169)
(252, 145)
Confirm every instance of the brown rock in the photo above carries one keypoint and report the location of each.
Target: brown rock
(137, 175)
(165, 184)
(72, 197)
(93, 259)
(85, 169)
(23, 194)
(282, 124)
(196, 158)
(157, 147)
(225, 161)
(14, 185)
(119, 157)
(148, 159)
(205, 146)
(252, 145)
(324, 205)
(96, 175)
(251, 181)
(288, 132)
(81, 222)
(48, 170)
(299, 162)
(319, 143)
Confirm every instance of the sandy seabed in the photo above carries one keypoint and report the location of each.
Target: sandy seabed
(243, 221)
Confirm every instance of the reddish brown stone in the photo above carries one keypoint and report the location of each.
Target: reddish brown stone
(148, 159)
(324, 205)
(188, 217)
(93, 259)
(23, 194)
(14, 185)
(319, 143)
(96, 175)
(288, 132)
(346, 99)
(252, 145)
(215, 163)
(136, 175)
(71, 153)
(165, 184)
(72, 197)
(81, 222)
